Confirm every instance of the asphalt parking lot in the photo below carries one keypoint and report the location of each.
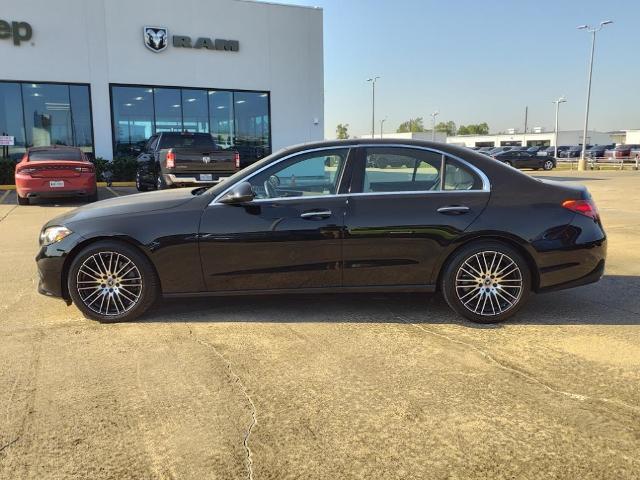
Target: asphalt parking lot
(371, 386)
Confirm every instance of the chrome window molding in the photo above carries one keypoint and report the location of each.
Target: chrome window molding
(486, 184)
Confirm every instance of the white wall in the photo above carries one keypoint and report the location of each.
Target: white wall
(565, 137)
(633, 137)
(100, 42)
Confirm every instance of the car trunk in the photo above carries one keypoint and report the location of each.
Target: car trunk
(57, 168)
(203, 160)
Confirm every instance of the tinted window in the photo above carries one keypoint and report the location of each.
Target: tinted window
(195, 109)
(55, 154)
(81, 129)
(179, 140)
(460, 177)
(308, 174)
(401, 170)
(251, 111)
(133, 120)
(168, 109)
(221, 117)
(11, 119)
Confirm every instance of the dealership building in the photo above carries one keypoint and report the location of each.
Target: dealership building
(105, 75)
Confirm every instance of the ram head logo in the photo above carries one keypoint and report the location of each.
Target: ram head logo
(156, 38)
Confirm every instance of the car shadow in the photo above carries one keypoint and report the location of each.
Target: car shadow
(597, 304)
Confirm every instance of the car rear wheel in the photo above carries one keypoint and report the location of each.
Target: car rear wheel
(486, 282)
(93, 197)
(22, 200)
(548, 165)
(110, 281)
(141, 187)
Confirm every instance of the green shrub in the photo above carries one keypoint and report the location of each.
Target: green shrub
(123, 169)
(7, 169)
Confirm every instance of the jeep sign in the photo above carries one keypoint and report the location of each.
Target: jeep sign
(18, 31)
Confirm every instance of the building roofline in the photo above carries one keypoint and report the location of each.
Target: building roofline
(280, 4)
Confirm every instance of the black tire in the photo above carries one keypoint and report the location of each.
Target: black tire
(507, 162)
(22, 200)
(455, 287)
(146, 293)
(141, 187)
(548, 165)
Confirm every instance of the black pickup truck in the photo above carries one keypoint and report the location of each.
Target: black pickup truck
(179, 159)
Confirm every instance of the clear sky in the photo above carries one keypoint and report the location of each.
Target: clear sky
(479, 60)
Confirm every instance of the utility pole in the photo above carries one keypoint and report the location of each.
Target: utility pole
(373, 81)
(562, 99)
(582, 164)
(433, 125)
(381, 125)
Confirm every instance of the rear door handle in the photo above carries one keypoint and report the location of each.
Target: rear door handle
(316, 214)
(453, 210)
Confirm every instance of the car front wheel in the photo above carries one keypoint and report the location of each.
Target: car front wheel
(110, 281)
(548, 165)
(486, 282)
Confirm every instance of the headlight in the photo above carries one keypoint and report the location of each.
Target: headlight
(53, 234)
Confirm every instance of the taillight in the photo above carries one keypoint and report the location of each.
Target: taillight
(236, 157)
(84, 169)
(26, 170)
(583, 207)
(171, 159)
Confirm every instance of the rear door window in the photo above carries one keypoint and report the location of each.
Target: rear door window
(390, 169)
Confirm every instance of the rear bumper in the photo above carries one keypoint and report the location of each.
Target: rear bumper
(194, 178)
(576, 257)
(82, 185)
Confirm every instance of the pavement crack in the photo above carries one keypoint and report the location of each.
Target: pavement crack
(6, 445)
(7, 214)
(516, 371)
(237, 380)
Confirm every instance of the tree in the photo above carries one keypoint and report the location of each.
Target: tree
(447, 127)
(474, 129)
(342, 131)
(411, 125)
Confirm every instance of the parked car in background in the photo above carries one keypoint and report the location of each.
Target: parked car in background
(620, 151)
(55, 171)
(550, 151)
(293, 223)
(598, 151)
(535, 150)
(523, 159)
(573, 151)
(635, 152)
(496, 150)
(178, 159)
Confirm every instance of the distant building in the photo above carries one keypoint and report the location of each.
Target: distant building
(531, 139)
(440, 136)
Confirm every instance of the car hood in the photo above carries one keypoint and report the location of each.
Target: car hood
(138, 203)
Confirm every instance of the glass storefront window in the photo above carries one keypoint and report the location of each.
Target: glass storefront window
(195, 111)
(168, 105)
(237, 120)
(133, 119)
(42, 114)
(221, 117)
(12, 120)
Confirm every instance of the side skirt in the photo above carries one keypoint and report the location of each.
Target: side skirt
(363, 289)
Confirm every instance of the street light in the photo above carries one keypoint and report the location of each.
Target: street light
(562, 99)
(582, 164)
(433, 130)
(381, 125)
(373, 104)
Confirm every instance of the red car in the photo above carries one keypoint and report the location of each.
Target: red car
(55, 171)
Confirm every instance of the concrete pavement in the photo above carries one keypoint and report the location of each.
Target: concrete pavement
(353, 386)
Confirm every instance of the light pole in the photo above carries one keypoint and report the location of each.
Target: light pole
(582, 164)
(373, 104)
(562, 99)
(381, 125)
(433, 125)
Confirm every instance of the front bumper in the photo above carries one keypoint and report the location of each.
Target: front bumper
(50, 261)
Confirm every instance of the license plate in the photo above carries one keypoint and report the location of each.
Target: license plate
(56, 183)
(206, 177)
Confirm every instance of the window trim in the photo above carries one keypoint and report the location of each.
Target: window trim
(486, 184)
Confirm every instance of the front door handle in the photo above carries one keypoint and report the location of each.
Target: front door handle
(316, 214)
(453, 210)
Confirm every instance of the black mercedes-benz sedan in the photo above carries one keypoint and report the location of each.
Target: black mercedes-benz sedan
(343, 216)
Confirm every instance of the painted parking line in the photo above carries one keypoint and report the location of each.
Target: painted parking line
(113, 191)
(4, 195)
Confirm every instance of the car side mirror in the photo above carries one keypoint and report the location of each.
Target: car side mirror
(240, 193)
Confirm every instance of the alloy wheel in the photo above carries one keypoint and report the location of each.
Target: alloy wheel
(109, 283)
(489, 283)
(548, 165)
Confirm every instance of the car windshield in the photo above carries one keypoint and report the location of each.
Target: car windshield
(55, 154)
